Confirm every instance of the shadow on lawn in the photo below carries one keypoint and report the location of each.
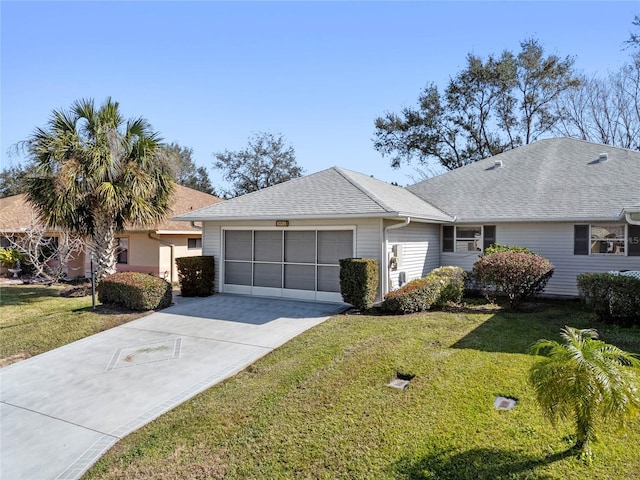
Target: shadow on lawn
(515, 331)
(476, 464)
(20, 295)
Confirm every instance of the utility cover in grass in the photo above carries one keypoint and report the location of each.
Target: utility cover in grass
(504, 403)
(398, 383)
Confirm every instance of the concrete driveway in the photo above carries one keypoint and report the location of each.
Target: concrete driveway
(60, 411)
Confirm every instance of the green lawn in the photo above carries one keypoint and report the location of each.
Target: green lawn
(34, 319)
(319, 408)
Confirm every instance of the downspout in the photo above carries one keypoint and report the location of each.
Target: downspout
(386, 277)
(170, 245)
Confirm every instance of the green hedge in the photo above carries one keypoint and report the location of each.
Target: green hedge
(417, 295)
(613, 298)
(453, 282)
(135, 291)
(359, 281)
(196, 276)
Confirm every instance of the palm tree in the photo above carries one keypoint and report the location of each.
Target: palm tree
(96, 173)
(586, 380)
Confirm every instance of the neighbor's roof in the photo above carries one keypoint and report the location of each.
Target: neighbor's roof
(185, 200)
(558, 179)
(16, 213)
(331, 193)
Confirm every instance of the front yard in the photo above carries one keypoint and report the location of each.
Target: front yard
(34, 319)
(319, 407)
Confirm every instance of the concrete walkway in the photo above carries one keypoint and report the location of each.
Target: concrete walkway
(60, 411)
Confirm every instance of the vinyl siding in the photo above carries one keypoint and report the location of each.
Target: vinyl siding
(555, 242)
(368, 237)
(420, 251)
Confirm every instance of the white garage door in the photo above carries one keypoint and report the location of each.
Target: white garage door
(286, 263)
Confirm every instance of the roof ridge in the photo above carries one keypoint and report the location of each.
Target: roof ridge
(371, 195)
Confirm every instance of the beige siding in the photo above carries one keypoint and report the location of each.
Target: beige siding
(368, 243)
(418, 251)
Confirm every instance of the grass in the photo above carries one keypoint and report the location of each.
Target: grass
(35, 319)
(319, 407)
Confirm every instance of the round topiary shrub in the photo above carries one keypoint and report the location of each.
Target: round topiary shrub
(517, 275)
(135, 291)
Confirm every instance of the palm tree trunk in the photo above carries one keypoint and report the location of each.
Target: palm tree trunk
(104, 247)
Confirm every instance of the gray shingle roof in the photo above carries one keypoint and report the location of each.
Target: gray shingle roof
(549, 180)
(331, 193)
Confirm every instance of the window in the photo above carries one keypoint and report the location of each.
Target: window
(194, 243)
(467, 238)
(606, 239)
(122, 250)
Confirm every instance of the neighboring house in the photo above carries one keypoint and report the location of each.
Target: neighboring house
(575, 202)
(149, 249)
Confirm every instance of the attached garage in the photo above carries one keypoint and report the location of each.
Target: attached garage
(287, 240)
(300, 263)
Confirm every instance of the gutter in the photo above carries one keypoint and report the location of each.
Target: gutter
(172, 246)
(386, 271)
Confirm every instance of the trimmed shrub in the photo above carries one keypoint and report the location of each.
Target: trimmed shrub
(359, 281)
(416, 296)
(517, 275)
(135, 291)
(613, 298)
(453, 282)
(498, 248)
(196, 275)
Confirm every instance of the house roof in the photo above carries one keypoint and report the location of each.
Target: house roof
(558, 179)
(16, 213)
(331, 193)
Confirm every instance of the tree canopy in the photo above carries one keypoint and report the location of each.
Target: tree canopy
(264, 162)
(186, 172)
(13, 179)
(97, 172)
(491, 106)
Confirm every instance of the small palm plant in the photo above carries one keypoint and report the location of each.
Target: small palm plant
(586, 380)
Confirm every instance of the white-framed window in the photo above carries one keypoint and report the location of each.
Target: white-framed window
(193, 243)
(467, 238)
(606, 239)
(122, 250)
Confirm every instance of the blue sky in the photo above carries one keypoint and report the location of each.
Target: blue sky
(209, 74)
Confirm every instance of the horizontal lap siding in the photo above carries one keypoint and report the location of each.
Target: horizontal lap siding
(555, 241)
(368, 239)
(420, 244)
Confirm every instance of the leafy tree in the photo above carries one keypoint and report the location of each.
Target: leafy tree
(97, 172)
(634, 38)
(491, 106)
(187, 174)
(605, 110)
(586, 380)
(13, 180)
(266, 161)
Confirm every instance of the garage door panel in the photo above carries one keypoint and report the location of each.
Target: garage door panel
(300, 247)
(267, 275)
(237, 245)
(237, 273)
(334, 245)
(329, 279)
(300, 277)
(268, 246)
